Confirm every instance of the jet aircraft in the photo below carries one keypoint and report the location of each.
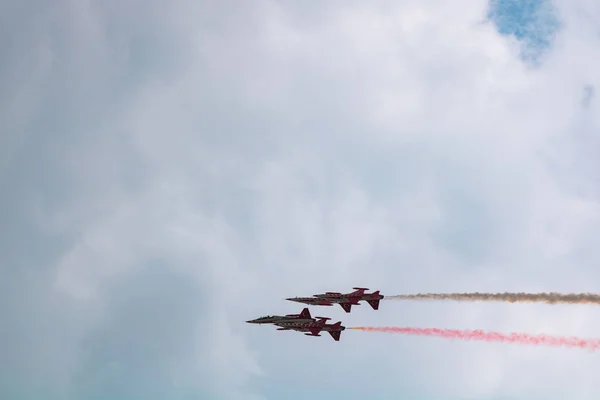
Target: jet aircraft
(314, 328)
(303, 317)
(345, 300)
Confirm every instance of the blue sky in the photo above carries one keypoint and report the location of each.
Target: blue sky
(169, 171)
(533, 22)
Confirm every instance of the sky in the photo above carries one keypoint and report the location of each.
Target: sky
(170, 170)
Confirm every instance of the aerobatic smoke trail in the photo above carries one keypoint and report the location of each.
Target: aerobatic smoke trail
(549, 298)
(520, 338)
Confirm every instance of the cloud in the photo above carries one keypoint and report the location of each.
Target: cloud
(170, 172)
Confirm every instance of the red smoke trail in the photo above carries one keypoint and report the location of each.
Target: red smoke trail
(520, 338)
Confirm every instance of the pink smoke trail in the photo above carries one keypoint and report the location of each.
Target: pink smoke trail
(520, 338)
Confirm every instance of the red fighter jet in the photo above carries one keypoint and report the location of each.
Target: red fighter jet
(314, 328)
(345, 300)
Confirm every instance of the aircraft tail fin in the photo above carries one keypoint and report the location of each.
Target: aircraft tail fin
(305, 313)
(336, 334)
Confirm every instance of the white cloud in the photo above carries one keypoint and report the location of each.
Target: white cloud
(190, 166)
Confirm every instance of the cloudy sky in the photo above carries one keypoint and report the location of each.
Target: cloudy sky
(169, 170)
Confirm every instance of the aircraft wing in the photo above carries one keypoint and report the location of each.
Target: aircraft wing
(346, 306)
(374, 304)
(358, 291)
(315, 331)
